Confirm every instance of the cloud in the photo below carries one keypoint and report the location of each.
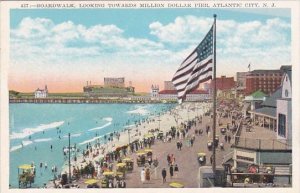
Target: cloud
(265, 42)
(41, 44)
(76, 40)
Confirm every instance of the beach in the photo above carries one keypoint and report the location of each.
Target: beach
(180, 113)
(186, 158)
(176, 117)
(35, 128)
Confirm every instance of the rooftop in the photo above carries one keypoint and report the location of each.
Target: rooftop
(257, 95)
(271, 101)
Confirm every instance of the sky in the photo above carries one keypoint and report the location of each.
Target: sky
(66, 48)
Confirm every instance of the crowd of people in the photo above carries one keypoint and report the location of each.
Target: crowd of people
(96, 159)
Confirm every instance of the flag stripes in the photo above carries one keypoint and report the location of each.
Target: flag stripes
(196, 68)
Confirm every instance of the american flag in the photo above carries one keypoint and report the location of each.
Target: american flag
(196, 68)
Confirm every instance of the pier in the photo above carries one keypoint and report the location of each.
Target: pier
(82, 100)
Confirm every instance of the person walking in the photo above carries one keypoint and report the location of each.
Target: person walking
(148, 174)
(143, 176)
(200, 132)
(123, 184)
(164, 174)
(168, 159)
(110, 184)
(172, 159)
(176, 170)
(171, 171)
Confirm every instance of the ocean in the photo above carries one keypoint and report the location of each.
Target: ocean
(34, 128)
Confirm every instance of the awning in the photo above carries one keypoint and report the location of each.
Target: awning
(265, 111)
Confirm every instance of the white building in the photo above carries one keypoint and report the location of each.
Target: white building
(284, 109)
(39, 93)
(196, 95)
(154, 91)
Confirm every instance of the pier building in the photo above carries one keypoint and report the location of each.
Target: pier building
(41, 93)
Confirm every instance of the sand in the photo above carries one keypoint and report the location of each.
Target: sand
(181, 113)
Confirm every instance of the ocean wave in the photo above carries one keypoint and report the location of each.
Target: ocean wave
(128, 126)
(30, 131)
(72, 135)
(139, 110)
(90, 140)
(109, 119)
(42, 140)
(25, 143)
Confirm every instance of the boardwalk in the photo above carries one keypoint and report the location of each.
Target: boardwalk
(186, 160)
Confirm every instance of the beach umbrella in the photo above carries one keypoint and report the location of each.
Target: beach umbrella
(91, 181)
(108, 173)
(176, 185)
(120, 174)
(121, 164)
(25, 167)
(149, 135)
(141, 152)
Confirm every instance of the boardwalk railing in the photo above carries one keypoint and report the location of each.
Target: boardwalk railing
(228, 156)
(238, 133)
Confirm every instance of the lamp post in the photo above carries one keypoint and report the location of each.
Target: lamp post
(70, 180)
(128, 130)
(159, 121)
(69, 152)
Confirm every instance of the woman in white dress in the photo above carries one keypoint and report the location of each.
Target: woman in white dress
(143, 175)
(98, 171)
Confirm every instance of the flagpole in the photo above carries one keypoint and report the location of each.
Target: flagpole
(214, 99)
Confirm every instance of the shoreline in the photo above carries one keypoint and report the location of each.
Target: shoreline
(163, 122)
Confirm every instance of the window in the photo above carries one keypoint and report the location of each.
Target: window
(286, 92)
(281, 125)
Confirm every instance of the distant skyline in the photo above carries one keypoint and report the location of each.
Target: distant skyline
(65, 48)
